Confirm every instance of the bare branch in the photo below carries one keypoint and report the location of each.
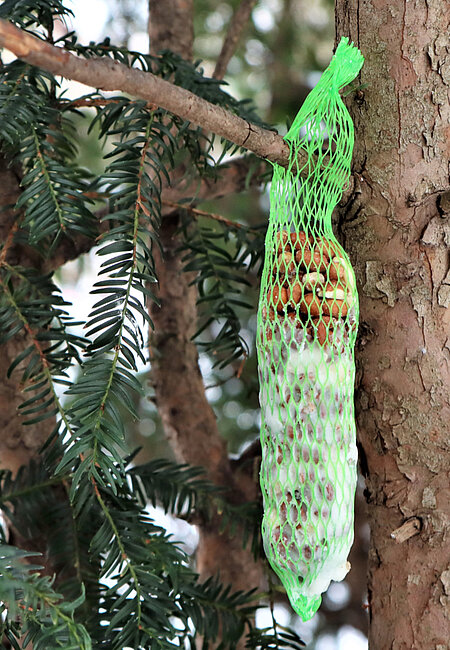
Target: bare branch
(106, 74)
(208, 215)
(235, 29)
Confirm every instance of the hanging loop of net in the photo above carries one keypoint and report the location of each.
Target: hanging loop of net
(307, 325)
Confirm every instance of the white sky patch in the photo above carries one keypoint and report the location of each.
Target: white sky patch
(349, 637)
(182, 532)
(338, 595)
(89, 19)
(139, 42)
(263, 18)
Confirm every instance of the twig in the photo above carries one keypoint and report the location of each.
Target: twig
(106, 74)
(90, 102)
(241, 365)
(8, 243)
(230, 180)
(235, 29)
(209, 215)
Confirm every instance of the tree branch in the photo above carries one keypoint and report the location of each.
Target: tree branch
(106, 74)
(231, 179)
(235, 29)
(209, 215)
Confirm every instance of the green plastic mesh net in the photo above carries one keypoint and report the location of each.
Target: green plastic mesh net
(307, 325)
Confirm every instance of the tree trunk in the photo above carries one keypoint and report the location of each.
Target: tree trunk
(396, 230)
(18, 444)
(188, 419)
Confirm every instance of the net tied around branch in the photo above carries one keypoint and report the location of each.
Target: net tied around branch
(307, 324)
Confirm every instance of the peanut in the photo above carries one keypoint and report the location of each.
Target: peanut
(296, 293)
(278, 297)
(282, 241)
(286, 264)
(315, 306)
(311, 260)
(337, 270)
(322, 326)
(311, 280)
(335, 307)
(310, 304)
(332, 290)
(328, 247)
(299, 240)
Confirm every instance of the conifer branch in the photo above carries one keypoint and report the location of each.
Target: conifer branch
(106, 74)
(235, 29)
(8, 243)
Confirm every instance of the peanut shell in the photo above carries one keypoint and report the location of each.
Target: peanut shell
(286, 264)
(323, 326)
(333, 290)
(334, 307)
(299, 240)
(315, 306)
(337, 270)
(296, 292)
(282, 241)
(278, 297)
(311, 260)
(312, 281)
(328, 247)
(310, 304)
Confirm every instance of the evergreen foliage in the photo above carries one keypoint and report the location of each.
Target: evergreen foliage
(119, 580)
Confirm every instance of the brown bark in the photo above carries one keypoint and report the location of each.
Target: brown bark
(237, 25)
(171, 27)
(18, 444)
(396, 229)
(106, 74)
(188, 419)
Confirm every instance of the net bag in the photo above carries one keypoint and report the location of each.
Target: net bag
(307, 325)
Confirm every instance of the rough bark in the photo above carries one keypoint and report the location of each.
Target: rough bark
(396, 229)
(188, 419)
(18, 444)
(171, 27)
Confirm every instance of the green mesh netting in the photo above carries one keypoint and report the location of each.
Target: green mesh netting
(307, 323)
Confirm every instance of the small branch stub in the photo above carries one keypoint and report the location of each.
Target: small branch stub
(407, 530)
